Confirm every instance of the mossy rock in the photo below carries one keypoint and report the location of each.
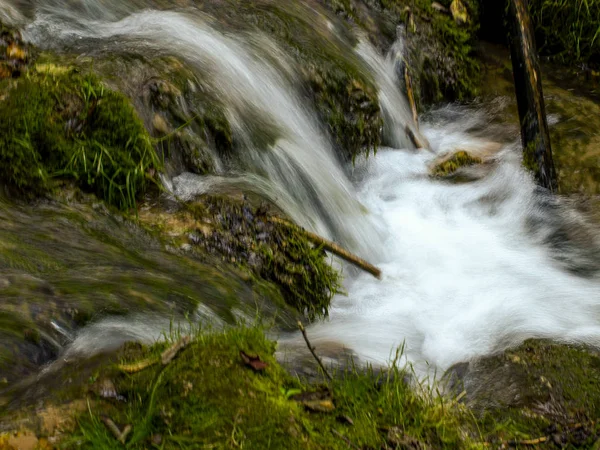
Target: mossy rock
(58, 123)
(539, 389)
(450, 165)
(331, 76)
(244, 235)
(440, 52)
(208, 396)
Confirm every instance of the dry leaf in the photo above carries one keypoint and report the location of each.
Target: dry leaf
(318, 401)
(345, 419)
(459, 12)
(319, 405)
(254, 362)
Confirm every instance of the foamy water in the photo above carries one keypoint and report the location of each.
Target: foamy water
(462, 274)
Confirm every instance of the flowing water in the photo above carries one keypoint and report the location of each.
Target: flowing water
(468, 268)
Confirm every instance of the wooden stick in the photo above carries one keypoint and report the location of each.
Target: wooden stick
(165, 357)
(414, 138)
(528, 441)
(535, 136)
(312, 350)
(410, 95)
(332, 247)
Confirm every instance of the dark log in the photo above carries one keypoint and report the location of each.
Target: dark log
(537, 153)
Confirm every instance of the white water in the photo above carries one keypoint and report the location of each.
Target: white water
(299, 172)
(463, 275)
(462, 278)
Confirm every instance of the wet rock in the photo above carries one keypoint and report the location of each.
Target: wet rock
(105, 388)
(450, 164)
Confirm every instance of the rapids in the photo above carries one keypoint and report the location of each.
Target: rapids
(468, 268)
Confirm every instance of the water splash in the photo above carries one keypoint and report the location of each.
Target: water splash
(464, 276)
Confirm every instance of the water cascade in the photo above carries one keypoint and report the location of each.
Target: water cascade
(468, 269)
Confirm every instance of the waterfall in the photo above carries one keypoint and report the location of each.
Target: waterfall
(299, 171)
(464, 274)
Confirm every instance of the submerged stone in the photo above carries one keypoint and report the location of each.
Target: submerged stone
(452, 163)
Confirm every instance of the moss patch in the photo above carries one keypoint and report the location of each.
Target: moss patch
(450, 165)
(57, 123)
(243, 236)
(207, 396)
(537, 390)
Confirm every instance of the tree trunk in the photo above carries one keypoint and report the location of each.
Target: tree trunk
(537, 153)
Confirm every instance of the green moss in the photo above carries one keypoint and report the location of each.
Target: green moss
(274, 252)
(455, 162)
(447, 70)
(540, 389)
(61, 124)
(208, 397)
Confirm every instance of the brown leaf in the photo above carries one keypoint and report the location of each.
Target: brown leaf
(254, 362)
(317, 401)
(324, 406)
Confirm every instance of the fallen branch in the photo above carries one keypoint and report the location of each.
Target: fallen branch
(312, 350)
(165, 357)
(416, 140)
(137, 366)
(332, 247)
(528, 442)
(410, 95)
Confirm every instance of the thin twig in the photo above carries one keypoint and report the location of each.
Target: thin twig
(528, 441)
(121, 436)
(330, 246)
(345, 439)
(312, 350)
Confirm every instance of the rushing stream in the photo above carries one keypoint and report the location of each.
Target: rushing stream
(468, 268)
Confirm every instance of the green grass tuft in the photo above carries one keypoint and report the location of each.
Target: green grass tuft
(208, 398)
(60, 124)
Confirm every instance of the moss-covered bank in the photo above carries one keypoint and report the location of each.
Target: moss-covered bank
(208, 396)
(243, 236)
(226, 390)
(57, 123)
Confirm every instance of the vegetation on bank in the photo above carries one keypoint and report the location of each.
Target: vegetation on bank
(568, 31)
(225, 389)
(58, 123)
(211, 394)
